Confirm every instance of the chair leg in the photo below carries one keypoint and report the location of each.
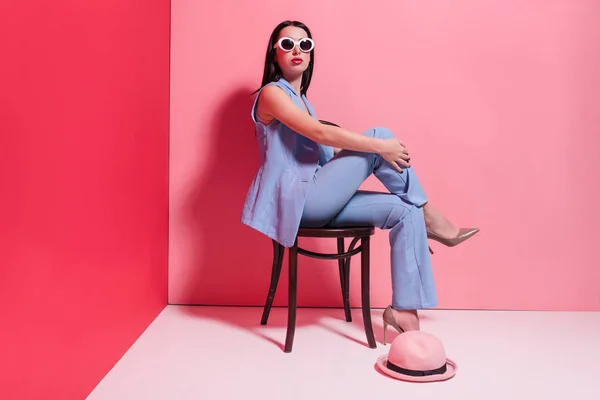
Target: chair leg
(347, 289)
(365, 292)
(292, 283)
(278, 251)
(344, 265)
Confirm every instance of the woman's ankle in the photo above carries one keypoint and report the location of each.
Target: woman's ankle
(436, 222)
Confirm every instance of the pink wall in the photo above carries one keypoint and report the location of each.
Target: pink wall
(84, 176)
(498, 102)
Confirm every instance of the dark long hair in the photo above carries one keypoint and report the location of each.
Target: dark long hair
(272, 72)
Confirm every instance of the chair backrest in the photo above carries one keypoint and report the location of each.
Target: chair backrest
(328, 123)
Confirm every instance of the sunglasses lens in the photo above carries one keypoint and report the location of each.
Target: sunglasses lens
(305, 45)
(287, 44)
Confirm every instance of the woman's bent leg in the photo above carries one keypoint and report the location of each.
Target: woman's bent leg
(336, 182)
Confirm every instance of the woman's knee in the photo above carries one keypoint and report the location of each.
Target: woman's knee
(379, 133)
(398, 213)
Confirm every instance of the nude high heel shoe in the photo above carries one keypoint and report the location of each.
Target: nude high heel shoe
(463, 234)
(389, 319)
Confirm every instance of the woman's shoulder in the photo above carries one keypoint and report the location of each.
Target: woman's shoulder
(272, 91)
(274, 87)
(273, 95)
(269, 96)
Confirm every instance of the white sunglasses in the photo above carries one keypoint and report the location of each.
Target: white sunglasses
(287, 44)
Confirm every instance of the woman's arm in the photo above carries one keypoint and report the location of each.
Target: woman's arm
(274, 103)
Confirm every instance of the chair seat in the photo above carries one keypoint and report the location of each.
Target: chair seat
(354, 231)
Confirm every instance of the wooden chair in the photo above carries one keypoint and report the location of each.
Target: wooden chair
(362, 234)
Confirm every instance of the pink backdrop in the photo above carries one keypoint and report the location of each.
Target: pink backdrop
(84, 140)
(497, 100)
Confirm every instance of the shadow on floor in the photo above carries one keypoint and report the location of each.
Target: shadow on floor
(277, 323)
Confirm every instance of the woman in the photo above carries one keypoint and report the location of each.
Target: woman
(301, 182)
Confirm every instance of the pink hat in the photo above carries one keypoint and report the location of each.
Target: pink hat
(417, 356)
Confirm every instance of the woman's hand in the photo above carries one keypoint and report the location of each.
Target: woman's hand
(395, 153)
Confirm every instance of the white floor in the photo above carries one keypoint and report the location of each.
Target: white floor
(224, 353)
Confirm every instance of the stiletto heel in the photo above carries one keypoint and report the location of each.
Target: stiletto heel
(431, 251)
(463, 234)
(385, 325)
(389, 319)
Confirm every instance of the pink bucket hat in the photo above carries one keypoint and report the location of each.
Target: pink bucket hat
(417, 356)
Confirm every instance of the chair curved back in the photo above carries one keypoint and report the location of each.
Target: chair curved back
(328, 123)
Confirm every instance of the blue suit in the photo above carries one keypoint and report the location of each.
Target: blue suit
(300, 183)
(275, 201)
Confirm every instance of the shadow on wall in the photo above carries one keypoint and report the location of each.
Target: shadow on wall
(230, 263)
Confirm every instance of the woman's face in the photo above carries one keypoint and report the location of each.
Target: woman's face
(293, 61)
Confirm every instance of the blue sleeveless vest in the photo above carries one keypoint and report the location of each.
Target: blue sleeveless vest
(288, 161)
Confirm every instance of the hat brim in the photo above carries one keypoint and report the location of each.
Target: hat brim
(450, 372)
